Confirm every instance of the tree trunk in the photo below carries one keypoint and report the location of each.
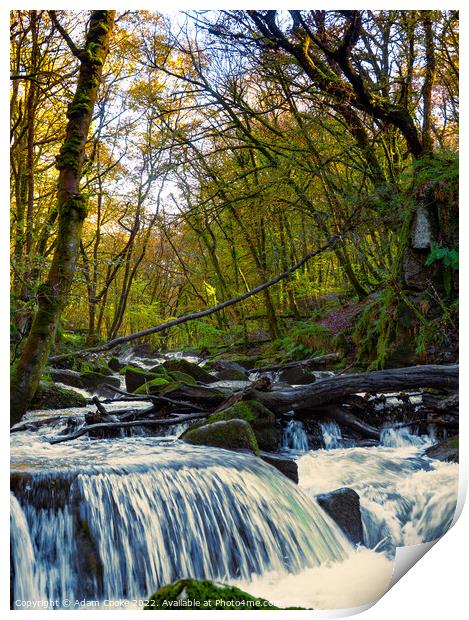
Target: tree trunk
(52, 294)
(335, 389)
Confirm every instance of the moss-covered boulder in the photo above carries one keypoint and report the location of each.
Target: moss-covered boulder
(261, 419)
(446, 450)
(114, 364)
(195, 371)
(155, 386)
(93, 380)
(136, 376)
(227, 370)
(230, 434)
(208, 397)
(183, 377)
(205, 595)
(51, 396)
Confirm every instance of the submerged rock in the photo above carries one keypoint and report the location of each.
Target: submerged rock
(288, 467)
(230, 434)
(343, 505)
(446, 450)
(206, 595)
(51, 396)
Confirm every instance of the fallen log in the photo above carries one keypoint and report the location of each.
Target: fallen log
(345, 418)
(310, 363)
(113, 425)
(335, 389)
(154, 398)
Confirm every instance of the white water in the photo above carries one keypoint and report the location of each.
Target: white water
(117, 518)
(294, 437)
(331, 435)
(123, 517)
(405, 498)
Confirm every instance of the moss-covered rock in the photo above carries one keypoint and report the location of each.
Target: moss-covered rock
(206, 595)
(183, 377)
(154, 386)
(136, 376)
(51, 396)
(446, 450)
(261, 419)
(195, 371)
(231, 434)
(114, 364)
(92, 379)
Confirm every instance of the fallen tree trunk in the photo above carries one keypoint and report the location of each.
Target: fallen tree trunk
(310, 364)
(333, 240)
(344, 417)
(335, 389)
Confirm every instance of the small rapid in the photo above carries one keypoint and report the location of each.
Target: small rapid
(119, 518)
(294, 437)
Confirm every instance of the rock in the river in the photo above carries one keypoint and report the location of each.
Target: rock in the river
(51, 396)
(89, 380)
(114, 364)
(343, 505)
(296, 375)
(136, 377)
(261, 419)
(227, 371)
(204, 595)
(208, 397)
(194, 370)
(154, 386)
(288, 467)
(446, 450)
(232, 435)
(183, 377)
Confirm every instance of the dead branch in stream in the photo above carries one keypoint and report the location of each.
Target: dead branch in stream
(332, 242)
(114, 425)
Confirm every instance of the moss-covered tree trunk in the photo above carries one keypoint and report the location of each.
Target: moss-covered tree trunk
(53, 293)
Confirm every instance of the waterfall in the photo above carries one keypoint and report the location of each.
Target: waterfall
(142, 515)
(294, 437)
(331, 435)
(402, 436)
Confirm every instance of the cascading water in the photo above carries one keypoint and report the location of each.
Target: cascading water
(331, 435)
(402, 436)
(405, 498)
(294, 437)
(118, 518)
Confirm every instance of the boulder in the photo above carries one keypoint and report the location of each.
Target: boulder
(261, 419)
(183, 377)
(227, 371)
(194, 370)
(136, 377)
(51, 396)
(114, 364)
(153, 387)
(208, 397)
(231, 435)
(288, 467)
(343, 505)
(204, 595)
(446, 450)
(296, 375)
(89, 380)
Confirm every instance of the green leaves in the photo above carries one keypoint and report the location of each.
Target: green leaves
(449, 258)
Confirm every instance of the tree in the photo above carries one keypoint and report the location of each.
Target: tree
(52, 294)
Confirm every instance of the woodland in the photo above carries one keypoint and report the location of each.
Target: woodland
(234, 303)
(295, 171)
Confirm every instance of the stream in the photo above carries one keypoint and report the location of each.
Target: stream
(112, 520)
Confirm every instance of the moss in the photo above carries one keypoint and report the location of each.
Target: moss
(207, 595)
(231, 434)
(195, 371)
(261, 419)
(136, 377)
(153, 386)
(51, 396)
(182, 376)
